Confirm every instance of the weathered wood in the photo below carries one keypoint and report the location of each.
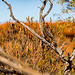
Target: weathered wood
(67, 61)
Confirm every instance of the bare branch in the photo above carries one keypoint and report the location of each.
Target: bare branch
(49, 34)
(40, 20)
(57, 50)
(72, 56)
(41, 38)
(51, 5)
(17, 65)
(10, 10)
(42, 17)
(63, 45)
(11, 64)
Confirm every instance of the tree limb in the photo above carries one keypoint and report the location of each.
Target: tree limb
(72, 56)
(17, 65)
(49, 34)
(41, 38)
(51, 5)
(40, 19)
(57, 50)
(62, 45)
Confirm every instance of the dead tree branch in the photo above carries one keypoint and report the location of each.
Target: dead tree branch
(51, 5)
(72, 56)
(18, 65)
(40, 20)
(49, 34)
(56, 49)
(41, 38)
(62, 45)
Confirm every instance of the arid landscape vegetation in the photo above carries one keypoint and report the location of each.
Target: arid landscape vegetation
(21, 43)
(38, 48)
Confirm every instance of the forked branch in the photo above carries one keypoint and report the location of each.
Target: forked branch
(56, 49)
(41, 16)
(72, 56)
(49, 34)
(41, 38)
(51, 5)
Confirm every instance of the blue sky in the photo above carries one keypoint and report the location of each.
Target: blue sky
(24, 8)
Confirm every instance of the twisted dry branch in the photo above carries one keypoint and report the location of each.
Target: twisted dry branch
(40, 19)
(55, 48)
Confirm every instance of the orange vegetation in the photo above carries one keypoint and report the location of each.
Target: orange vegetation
(69, 30)
(18, 41)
